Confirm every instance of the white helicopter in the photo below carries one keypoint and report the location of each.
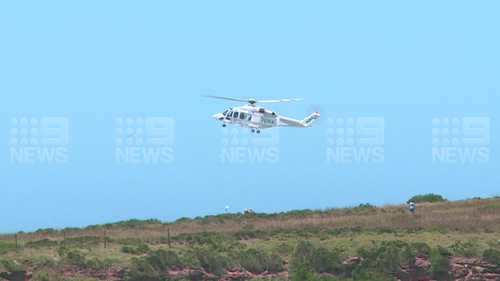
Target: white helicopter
(258, 118)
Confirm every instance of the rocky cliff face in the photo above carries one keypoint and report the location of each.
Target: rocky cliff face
(461, 269)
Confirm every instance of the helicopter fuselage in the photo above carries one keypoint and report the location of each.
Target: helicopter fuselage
(257, 118)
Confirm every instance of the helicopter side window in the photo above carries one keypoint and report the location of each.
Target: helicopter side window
(249, 117)
(235, 115)
(242, 116)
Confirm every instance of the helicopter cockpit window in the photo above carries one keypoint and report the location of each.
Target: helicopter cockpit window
(225, 112)
(230, 113)
(235, 115)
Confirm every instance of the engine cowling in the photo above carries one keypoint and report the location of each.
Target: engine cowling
(265, 111)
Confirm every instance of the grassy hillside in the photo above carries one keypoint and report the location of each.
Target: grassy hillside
(303, 244)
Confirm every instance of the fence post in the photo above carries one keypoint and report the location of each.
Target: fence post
(15, 237)
(64, 233)
(168, 236)
(104, 238)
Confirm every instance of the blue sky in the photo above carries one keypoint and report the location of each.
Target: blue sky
(93, 62)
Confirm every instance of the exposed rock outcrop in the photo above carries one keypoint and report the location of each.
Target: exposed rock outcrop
(460, 269)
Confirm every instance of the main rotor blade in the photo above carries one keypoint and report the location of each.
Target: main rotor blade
(251, 101)
(223, 98)
(281, 100)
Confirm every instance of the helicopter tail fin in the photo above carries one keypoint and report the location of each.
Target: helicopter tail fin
(306, 122)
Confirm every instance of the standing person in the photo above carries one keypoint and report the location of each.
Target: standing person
(412, 207)
(246, 210)
(227, 207)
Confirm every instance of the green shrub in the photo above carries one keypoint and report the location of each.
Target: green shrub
(381, 230)
(129, 241)
(127, 250)
(81, 241)
(10, 265)
(183, 220)
(492, 255)
(212, 220)
(357, 229)
(62, 251)
(6, 247)
(489, 206)
(149, 267)
(383, 262)
(250, 234)
(440, 262)
(303, 254)
(298, 214)
(248, 226)
(302, 273)
(41, 243)
(257, 262)
(364, 206)
(410, 230)
(98, 264)
(317, 259)
(283, 249)
(46, 275)
(430, 197)
(469, 249)
(41, 261)
(189, 259)
(139, 250)
(156, 264)
(326, 261)
(169, 258)
(83, 278)
(46, 231)
(335, 231)
(76, 258)
(421, 249)
(212, 262)
(408, 255)
(142, 248)
(135, 223)
(200, 238)
(436, 229)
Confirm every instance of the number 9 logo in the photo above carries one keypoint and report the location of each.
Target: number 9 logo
(163, 127)
(476, 127)
(54, 127)
(371, 127)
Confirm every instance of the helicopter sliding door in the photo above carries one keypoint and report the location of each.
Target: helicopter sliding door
(238, 117)
(243, 117)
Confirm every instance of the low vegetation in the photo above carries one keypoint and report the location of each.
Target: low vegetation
(365, 242)
(430, 198)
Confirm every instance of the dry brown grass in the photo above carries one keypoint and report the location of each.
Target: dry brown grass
(481, 214)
